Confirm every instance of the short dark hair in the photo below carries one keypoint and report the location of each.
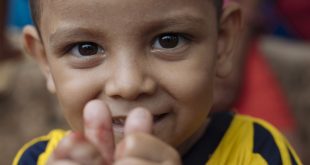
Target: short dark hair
(36, 9)
(219, 7)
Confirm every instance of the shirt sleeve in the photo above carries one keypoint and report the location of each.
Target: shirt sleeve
(30, 155)
(272, 146)
(38, 150)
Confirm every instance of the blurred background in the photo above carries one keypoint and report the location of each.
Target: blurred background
(271, 77)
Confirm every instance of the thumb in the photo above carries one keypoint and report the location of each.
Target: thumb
(139, 120)
(98, 128)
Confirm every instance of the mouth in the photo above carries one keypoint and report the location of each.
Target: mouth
(119, 122)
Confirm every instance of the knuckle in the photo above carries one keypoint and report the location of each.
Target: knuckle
(173, 157)
(127, 161)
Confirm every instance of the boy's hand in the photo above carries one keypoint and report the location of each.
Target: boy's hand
(139, 147)
(95, 146)
(98, 129)
(74, 149)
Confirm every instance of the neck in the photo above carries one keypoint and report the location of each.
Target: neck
(183, 148)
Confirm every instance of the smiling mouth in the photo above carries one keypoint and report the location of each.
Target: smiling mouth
(120, 121)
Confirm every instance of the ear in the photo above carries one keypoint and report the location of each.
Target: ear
(34, 47)
(229, 32)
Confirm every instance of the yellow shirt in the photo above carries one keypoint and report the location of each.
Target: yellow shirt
(229, 139)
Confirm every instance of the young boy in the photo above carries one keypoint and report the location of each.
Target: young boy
(135, 81)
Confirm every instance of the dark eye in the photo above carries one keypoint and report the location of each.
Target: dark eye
(86, 49)
(169, 41)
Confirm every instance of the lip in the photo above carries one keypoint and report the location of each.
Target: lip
(118, 122)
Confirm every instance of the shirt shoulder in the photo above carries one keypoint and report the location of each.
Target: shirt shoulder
(271, 144)
(249, 140)
(39, 149)
(204, 148)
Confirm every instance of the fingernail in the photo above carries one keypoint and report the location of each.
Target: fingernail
(92, 114)
(138, 116)
(139, 120)
(140, 113)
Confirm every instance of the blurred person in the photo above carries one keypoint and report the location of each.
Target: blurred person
(287, 45)
(18, 14)
(14, 14)
(7, 51)
(296, 16)
(291, 40)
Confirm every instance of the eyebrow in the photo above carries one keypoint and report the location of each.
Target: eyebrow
(70, 32)
(184, 19)
(176, 20)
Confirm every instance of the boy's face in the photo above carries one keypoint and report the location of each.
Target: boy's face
(157, 54)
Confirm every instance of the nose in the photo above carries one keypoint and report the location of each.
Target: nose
(129, 81)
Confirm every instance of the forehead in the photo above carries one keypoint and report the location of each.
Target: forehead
(105, 13)
(137, 4)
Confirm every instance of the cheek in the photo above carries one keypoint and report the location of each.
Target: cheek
(191, 86)
(195, 103)
(192, 92)
(74, 89)
(190, 81)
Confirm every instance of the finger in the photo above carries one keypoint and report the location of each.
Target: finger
(133, 161)
(76, 148)
(98, 128)
(64, 147)
(85, 153)
(139, 120)
(63, 162)
(147, 147)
